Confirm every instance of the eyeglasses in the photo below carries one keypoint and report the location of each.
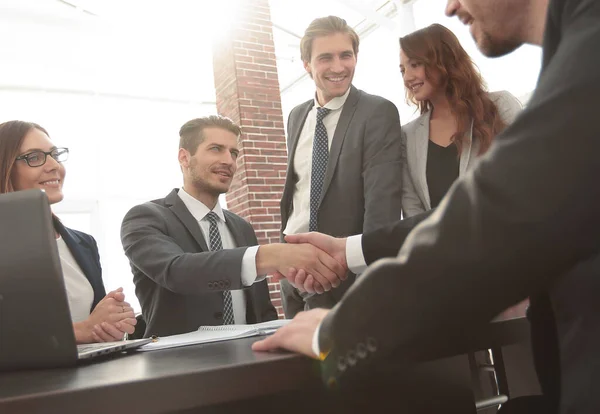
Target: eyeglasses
(38, 158)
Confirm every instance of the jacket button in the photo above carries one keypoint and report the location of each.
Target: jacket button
(221, 284)
(351, 358)
(341, 365)
(211, 285)
(218, 315)
(227, 284)
(371, 344)
(361, 350)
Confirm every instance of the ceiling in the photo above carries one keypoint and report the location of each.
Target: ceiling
(149, 49)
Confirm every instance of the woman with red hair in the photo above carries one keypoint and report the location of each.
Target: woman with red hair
(458, 121)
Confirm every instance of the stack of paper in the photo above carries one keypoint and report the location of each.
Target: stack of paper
(206, 334)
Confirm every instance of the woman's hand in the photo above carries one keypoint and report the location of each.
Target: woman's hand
(109, 321)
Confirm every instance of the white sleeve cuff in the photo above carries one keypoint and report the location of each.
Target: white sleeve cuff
(249, 276)
(354, 254)
(315, 341)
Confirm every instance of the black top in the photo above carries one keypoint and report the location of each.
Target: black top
(442, 170)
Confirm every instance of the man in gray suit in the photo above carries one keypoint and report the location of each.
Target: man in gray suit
(523, 222)
(344, 162)
(190, 261)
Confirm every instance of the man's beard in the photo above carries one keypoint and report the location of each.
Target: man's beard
(491, 47)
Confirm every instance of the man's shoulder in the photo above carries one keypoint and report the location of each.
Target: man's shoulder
(302, 106)
(229, 215)
(370, 99)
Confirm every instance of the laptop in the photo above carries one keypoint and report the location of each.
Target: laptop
(35, 322)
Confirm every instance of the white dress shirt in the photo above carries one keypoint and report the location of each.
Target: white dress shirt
(249, 274)
(80, 293)
(300, 215)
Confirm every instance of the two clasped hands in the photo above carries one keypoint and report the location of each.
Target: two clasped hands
(319, 276)
(110, 320)
(318, 268)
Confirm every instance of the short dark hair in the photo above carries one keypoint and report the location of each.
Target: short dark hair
(191, 133)
(325, 26)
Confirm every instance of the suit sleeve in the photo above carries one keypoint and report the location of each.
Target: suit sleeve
(508, 107)
(151, 249)
(386, 241)
(411, 204)
(521, 219)
(382, 166)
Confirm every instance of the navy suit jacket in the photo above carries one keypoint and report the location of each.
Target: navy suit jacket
(85, 251)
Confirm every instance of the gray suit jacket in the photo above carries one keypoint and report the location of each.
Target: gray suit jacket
(178, 281)
(523, 222)
(362, 185)
(415, 140)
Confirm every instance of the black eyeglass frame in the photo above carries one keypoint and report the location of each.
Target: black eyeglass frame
(56, 151)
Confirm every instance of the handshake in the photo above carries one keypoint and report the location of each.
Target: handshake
(311, 262)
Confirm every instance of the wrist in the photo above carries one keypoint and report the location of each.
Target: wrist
(83, 332)
(265, 258)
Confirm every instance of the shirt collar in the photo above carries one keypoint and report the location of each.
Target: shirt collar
(336, 103)
(197, 208)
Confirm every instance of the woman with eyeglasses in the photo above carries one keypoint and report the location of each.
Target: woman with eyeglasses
(29, 160)
(458, 121)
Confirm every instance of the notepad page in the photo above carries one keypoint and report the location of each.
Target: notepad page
(275, 324)
(198, 337)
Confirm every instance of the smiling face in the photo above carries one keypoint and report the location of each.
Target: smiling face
(49, 177)
(209, 171)
(331, 65)
(496, 25)
(421, 86)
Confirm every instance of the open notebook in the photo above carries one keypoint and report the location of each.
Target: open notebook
(206, 334)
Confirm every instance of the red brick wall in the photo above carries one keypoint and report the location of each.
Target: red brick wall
(247, 90)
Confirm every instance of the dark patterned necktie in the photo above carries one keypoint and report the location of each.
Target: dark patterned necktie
(216, 244)
(320, 156)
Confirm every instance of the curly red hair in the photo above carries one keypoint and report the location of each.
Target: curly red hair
(439, 50)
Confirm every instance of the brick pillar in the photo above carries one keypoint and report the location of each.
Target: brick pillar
(247, 91)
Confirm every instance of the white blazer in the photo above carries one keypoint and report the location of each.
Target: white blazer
(415, 141)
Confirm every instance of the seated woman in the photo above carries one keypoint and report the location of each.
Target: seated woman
(28, 159)
(458, 121)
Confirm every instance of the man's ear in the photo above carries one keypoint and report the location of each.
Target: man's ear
(307, 67)
(184, 157)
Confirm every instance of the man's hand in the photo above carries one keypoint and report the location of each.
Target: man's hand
(296, 336)
(333, 246)
(284, 259)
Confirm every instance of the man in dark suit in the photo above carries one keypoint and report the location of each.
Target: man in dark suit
(190, 259)
(523, 223)
(344, 168)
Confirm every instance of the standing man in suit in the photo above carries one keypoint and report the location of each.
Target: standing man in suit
(524, 222)
(344, 164)
(190, 259)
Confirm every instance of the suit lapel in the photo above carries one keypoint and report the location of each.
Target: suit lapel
(183, 214)
(286, 199)
(338, 137)
(465, 156)
(420, 155)
(234, 229)
(81, 253)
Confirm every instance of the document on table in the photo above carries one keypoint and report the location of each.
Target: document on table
(207, 334)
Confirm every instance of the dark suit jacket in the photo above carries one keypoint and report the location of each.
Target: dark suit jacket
(524, 222)
(178, 280)
(84, 249)
(362, 188)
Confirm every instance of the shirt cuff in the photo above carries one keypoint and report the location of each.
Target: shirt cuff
(315, 342)
(354, 254)
(249, 276)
